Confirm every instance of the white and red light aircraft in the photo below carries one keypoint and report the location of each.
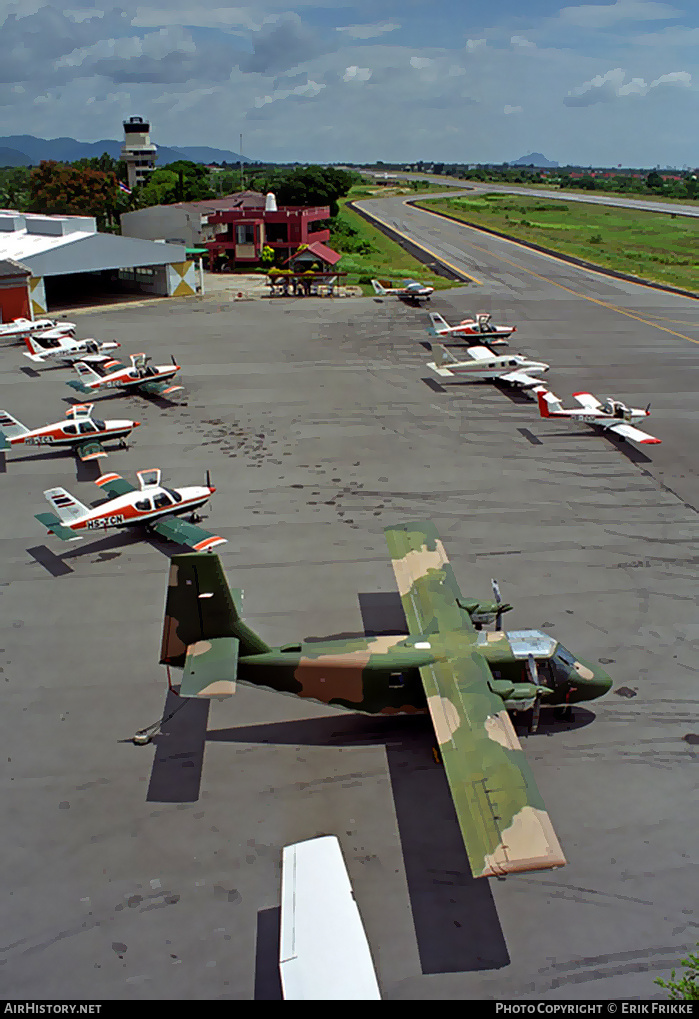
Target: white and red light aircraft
(127, 506)
(479, 327)
(53, 346)
(612, 415)
(81, 430)
(20, 328)
(104, 373)
(411, 289)
(480, 364)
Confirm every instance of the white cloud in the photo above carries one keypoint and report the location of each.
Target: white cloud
(308, 89)
(605, 88)
(513, 109)
(522, 43)
(419, 63)
(355, 73)
(606, 15)
(672, 36)
(195, 16)
(369, 31)
(475, 44)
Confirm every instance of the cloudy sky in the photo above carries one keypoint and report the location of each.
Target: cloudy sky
(360, 80)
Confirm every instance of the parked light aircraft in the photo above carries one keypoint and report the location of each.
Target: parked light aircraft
(411, 289)
(479, 327)
(53, 346)
(127, 506)
(467, 680)
(480, 363)
(81, 430)
(612, 415)
(23, 327)
(108, 374)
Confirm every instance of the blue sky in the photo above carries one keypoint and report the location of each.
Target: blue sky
(399, 80)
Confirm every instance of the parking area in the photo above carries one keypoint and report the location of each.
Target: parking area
(153, 872)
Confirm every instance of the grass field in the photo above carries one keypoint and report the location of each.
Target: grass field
(381, 257)
(649, 245)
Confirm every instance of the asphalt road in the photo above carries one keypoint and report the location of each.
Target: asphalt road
(135, 873)
(669, 208)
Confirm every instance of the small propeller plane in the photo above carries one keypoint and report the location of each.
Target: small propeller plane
(480, 364)
(81, 430)
(480, 327)
(612, 415)
(411, 290)
(23, 327)
(127, 506)
(53, 346)
(108, 374)
(467, 679)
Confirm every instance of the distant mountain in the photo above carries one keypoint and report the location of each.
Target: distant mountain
(533, 159)
(13, 157)
(25, 150)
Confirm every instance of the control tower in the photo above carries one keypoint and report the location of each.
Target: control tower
(137, 151)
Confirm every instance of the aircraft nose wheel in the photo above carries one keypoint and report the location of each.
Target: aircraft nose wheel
(195, 518)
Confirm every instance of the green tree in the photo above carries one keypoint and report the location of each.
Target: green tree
(181, 181)
(654, 180)
(309, 185)
(57, 189)
(14, 188)
(687, 987)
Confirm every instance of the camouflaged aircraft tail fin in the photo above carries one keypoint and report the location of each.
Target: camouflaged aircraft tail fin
(210, 668)
(200, 606)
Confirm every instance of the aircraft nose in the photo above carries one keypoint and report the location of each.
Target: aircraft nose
(212, 489)
(135, 424)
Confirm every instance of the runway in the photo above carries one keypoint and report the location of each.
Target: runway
(153, 873)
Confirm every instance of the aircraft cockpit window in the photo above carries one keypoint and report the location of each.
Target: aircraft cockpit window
(86, 426)
(144, 505)
(513, 362)
(161, 500)
(175, 496)
(99, 424)
(70, 429)
(561, 665)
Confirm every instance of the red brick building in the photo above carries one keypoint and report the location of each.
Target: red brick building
(241, 234)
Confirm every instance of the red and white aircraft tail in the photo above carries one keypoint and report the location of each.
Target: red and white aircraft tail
(69, 509)
(10, 427)
(549, 404)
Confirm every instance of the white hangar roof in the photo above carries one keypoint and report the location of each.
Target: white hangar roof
(58, 245)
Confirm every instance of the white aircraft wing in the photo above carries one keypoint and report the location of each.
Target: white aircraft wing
(323, 950)
(587, 400)
(629, 432)
(519, 378)
(478, 353)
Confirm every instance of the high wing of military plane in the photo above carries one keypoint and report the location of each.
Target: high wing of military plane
(612, 415)
(52, 345)
(478, 328)
(480, 363)
(109, 374)
(23, 327)
(466, 678)
(411, 289)
(153, 505)
(85, 433)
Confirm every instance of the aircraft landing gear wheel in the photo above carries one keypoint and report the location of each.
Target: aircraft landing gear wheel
(195, 518)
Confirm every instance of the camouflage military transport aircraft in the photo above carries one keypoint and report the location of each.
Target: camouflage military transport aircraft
(466, 679)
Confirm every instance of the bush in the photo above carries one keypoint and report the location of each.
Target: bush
(596, 239)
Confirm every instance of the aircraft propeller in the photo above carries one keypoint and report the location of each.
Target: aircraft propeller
(498, 599)
(208, 479)
(648, 410)
(534, 679)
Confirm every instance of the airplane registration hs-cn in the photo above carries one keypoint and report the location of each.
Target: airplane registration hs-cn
(151, 505)
(467, 679)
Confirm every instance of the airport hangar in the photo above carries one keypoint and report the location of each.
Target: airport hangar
(69, 261)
